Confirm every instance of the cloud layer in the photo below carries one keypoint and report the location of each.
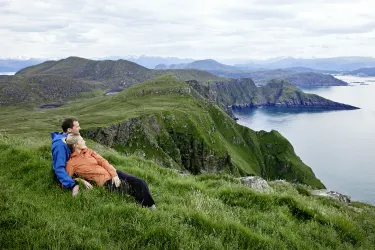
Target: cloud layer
(217, 29)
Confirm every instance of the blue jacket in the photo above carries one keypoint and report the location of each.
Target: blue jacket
(60, 155)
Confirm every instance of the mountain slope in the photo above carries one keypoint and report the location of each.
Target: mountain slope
(112, 73)
(41, 88)
(170, 123)
(193, 212)
(73, 77)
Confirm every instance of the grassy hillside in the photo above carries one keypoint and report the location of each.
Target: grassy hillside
(206, 211)
(193, 212)
(167, 121)
(43, 88)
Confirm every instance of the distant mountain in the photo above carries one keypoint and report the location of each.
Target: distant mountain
(363, 72)
(150, 62)
(207, 65)
(299, 76)
(13, 65)
(69, 78)
(108, 73)
(335, 63)
(303, 79)
(61, 80)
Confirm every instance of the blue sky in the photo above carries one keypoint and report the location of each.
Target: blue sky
(217, 29)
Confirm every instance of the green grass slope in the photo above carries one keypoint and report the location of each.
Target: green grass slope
(167, 121)
(193, 212)
(42, 88)
(172, 125)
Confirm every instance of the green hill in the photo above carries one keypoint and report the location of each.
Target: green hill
(151, 129)
(193, 212)
(74, 77)
(167, 121)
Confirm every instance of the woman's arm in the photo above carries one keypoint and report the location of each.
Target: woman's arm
(104, 163)
(69, 168)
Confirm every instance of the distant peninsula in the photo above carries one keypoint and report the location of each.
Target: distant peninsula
(296, 76)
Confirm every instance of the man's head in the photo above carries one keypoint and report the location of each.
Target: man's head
(71, 125)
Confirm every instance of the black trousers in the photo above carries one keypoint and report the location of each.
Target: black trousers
(134, 186)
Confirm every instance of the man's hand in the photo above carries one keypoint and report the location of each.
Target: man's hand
(87, 184)
(75, 190)
(116, 181)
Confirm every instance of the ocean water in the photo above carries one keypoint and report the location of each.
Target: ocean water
(7, 73)
(339, 146)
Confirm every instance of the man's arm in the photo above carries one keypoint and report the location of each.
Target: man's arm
(60, 157)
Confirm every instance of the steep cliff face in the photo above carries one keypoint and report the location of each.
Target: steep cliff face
(194, 134)
(157, 138)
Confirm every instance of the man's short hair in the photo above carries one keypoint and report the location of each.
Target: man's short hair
(68, 123)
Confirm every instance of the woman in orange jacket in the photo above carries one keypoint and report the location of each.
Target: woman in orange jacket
(91, 166)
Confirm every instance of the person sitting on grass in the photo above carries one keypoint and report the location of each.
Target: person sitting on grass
(89, 165)
(61, 154)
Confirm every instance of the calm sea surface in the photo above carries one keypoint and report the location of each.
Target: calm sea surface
(338, 145)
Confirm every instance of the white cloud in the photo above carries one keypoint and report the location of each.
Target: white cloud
(196, 29)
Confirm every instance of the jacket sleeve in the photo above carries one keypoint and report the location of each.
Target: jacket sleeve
(104, 163)
(69, 168)
(60, 157)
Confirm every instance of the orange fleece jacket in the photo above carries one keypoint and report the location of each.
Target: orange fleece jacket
(91, 166)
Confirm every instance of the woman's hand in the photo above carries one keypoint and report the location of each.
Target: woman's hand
(87, 184)
(116, 181)
(75, 190)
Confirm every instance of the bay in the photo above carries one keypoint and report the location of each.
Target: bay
(339, 146)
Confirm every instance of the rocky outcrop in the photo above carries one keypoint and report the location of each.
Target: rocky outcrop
(150, 137)
(257, 183)
(332, 195)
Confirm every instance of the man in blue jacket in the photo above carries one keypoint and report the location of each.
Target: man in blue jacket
(61, 153)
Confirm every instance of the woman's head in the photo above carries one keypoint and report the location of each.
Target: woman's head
(75, 142)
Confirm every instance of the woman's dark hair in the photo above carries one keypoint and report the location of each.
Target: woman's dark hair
(68, 123)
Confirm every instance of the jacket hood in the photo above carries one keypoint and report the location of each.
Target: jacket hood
(56, 136)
